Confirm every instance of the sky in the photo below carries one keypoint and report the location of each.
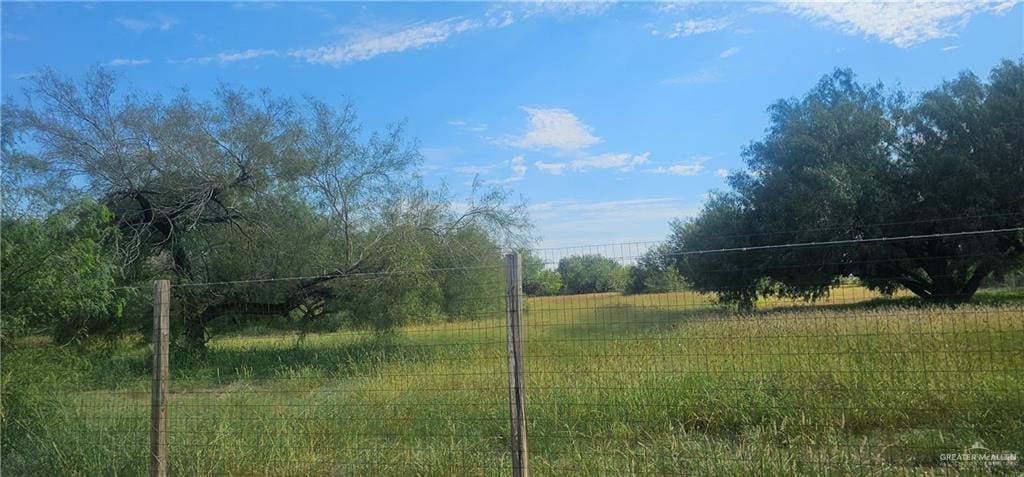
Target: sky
(608, 119)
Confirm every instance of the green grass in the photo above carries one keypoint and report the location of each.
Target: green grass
(616, 385)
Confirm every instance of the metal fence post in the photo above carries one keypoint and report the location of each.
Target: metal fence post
(158, 406)
(516, 386)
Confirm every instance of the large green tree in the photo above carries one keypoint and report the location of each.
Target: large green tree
(228, 195)
(853, 161)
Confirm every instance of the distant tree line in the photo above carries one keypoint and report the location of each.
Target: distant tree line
(595, 273)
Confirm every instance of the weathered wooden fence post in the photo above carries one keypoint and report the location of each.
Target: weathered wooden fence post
(158, 406)
(516, 386)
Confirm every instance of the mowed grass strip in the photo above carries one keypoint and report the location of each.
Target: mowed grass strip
(616, 385)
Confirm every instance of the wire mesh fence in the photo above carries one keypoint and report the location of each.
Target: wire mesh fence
(667, 381)
(70, 410)
(626, 371)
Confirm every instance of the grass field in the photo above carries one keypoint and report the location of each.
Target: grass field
(616, 385)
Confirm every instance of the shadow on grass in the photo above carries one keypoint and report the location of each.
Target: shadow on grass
(131, 368)
(300, 361)
(995, 298)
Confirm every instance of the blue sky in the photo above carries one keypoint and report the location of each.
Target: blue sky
(610, 119)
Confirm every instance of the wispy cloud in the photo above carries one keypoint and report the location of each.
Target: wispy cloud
(689, 168)
(675, 6)
(475, 169)
(566, 8)
(518, 166)
(138, 25)
(369, 44)
(504, 14)
(729, 52)
(950, 48)
(469, 126)
(230, 57)
(126, 62)
(554, 128)
(722, 173)
(574, 222)
(225, 57)
(694, 27)
(622, 162)
(903, 24)
(701, 76)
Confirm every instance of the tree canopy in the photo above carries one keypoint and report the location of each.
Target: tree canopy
(237, 189)
(591, 273)
(850, 161)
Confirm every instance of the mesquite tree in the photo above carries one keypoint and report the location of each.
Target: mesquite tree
(247, 186)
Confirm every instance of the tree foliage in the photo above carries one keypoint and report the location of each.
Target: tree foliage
(654, 273)
(59, 275)
(245, 188)
(537, 279)
(591, 273)
(853, 161)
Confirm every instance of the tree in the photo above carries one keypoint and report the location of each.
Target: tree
(591, 274)
(654, 273)
(58, 266)
(59, 275)
(229, 195)
(849, 161)
(538, 280)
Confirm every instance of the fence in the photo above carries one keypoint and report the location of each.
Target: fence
(657, 381)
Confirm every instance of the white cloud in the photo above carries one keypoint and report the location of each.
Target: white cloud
(680, 169)
(701, 76)
(675, 6)
(230, 57)
(693, 167)
(500, 18)
(554, 128)
(553, 168)
(368, 44)
(730, 52)
(694, 27)
(225, 57)
(950, 48)
(566, 8)
(504, 14)
(476, 169)
(159, 22)
(565, 223)
(903, 24)
(518, 166)
(722, 173)
(126, 62)
(623, 162)
(468, 125)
